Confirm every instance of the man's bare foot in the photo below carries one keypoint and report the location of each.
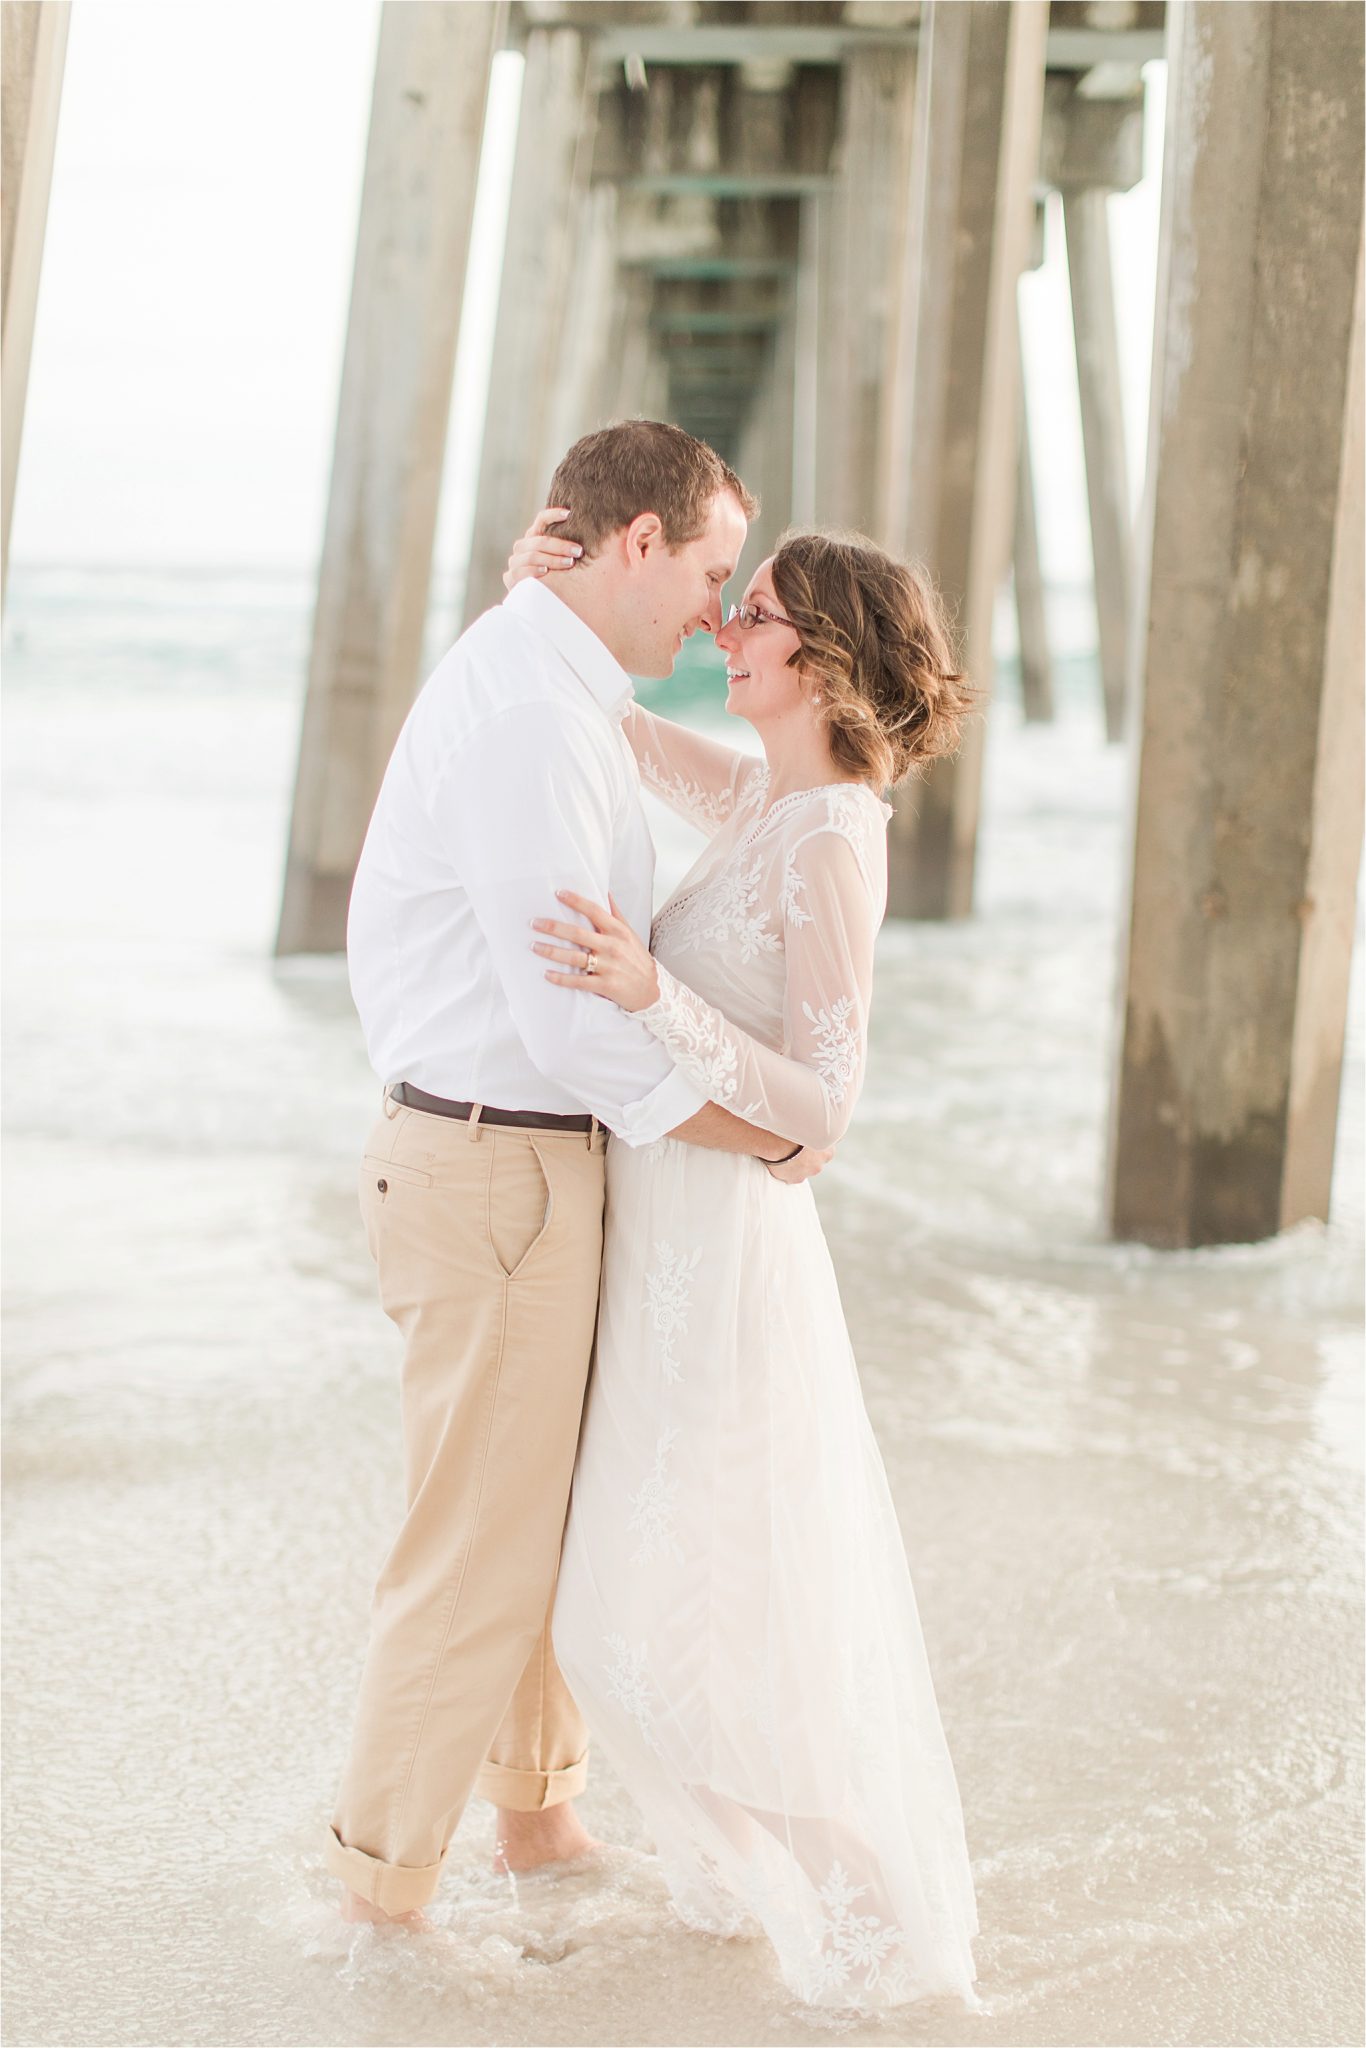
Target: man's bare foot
(363, 1912)
(524, 1841)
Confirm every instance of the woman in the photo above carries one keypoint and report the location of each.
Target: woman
(735, 1614)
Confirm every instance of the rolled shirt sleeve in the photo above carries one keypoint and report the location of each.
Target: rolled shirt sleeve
(545, 822)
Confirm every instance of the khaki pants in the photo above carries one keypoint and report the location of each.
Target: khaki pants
(488, 1244)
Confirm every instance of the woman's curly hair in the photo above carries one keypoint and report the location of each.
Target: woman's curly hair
(874, 637)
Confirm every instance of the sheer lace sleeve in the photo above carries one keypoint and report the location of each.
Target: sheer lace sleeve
(806, 1091)
(698, 777)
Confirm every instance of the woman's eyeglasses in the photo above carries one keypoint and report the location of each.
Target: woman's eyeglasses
(747, 616)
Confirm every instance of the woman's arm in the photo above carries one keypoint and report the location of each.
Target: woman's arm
(699, 777)
(808, 1088)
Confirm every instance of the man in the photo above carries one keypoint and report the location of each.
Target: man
(482, 1183)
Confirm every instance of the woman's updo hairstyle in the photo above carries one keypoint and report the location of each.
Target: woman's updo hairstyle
(875, 639)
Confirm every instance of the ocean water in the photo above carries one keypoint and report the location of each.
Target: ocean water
(1130, 1482)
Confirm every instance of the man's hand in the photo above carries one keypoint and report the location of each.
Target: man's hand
(807, 1163)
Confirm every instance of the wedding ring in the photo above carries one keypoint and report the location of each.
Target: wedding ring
(592, 964)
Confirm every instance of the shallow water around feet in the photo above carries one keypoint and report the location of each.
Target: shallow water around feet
(1129, 1482)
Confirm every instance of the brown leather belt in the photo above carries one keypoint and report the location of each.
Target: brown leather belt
(523, 1119)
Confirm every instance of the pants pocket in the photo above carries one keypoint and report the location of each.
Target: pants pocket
(380, 1181)
(520, 1203)
(381, 1173)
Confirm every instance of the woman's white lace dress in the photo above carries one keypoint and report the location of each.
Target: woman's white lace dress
(735, 1615)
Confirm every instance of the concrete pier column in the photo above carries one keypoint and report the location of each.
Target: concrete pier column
(1093, 146)
(1249, 644)
(815, 376)
(31, 64)
(1086, 219)
(1036, 664)
(776, 469)
(1031, 614)
(634, 376)
(550, 177)
(421, 166)
(765, 455)
(628, 324)
(580, 399)
(952, 476)
(870, 220)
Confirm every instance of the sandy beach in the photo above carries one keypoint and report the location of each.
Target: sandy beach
(1129, 1482)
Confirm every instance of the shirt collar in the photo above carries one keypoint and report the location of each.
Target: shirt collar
(597, 669)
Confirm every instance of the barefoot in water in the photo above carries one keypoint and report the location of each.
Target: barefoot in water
(524, 1841)
(362, 1912)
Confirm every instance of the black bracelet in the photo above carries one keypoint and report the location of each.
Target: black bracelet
(787, 1155)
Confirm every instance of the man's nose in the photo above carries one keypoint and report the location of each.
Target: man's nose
(710, 621)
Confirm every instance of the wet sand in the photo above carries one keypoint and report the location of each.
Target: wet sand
(1129, 1482)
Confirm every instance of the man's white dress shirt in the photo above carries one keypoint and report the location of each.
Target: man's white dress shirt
(511, 779)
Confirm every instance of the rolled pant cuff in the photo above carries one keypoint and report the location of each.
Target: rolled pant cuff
(393, 1887)
(531, 1791)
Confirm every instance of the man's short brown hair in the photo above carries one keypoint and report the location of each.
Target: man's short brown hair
(610, 477)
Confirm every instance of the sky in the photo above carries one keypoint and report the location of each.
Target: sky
(192, 310)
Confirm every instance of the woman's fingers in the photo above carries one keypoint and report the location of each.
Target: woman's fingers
(583, 981)
(537, 551)
(536, 555)
(599, 917)
(575, 934)
(571, 956)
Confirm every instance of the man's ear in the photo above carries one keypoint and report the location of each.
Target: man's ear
(644, 536)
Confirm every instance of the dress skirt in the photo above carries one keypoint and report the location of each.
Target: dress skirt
(735, 1614)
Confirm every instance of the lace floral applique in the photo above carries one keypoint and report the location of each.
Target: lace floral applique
(794, 885)
(685, 1026)
(725, 911)
(701, 1899)
(655, 1506)
(629, 1685)
(668, 1298)
(755, 787)
(836, 1045)
(705, 808)
(849, 1941)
